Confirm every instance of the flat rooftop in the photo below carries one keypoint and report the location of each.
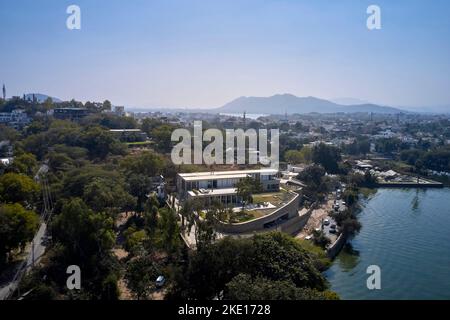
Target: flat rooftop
(215, 175)
(125, 130)
(214, 192)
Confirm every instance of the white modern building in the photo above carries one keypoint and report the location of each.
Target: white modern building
(221, 185)
(15, 118)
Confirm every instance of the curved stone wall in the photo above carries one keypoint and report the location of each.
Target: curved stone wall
(290, 208)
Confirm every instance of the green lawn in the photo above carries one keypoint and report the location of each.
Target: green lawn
(139, 143)
(275, 198)
(317, 252)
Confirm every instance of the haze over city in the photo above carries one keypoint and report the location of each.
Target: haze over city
(204, 54)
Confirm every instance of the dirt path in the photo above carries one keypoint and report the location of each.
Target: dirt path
(316, 219)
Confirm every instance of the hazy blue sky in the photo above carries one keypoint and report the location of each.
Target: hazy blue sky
(205, 53)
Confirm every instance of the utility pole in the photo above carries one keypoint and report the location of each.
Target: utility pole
(32, 252)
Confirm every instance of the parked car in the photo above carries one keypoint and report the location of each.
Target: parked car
(326, 222)
(308, 237)
(160, 281)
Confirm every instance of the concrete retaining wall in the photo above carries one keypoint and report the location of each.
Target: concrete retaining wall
(291, 208)
(336, 247)
(409, 185)
(295, 224)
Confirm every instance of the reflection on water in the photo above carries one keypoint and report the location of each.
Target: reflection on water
(419, 194)
(348, 258)
(405, 233)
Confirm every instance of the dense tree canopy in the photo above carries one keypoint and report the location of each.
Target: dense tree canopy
(244, 287)
(274, 256)
(327, 156)
(15, 187)
(17, 227)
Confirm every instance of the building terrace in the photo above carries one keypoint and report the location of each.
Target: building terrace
(221, 185)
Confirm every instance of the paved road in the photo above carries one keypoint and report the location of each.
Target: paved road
(34, 254)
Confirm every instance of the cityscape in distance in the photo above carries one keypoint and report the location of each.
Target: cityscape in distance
(224, 156)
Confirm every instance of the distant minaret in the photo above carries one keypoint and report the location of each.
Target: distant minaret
(371, 116)
(4, 92)
(245, 119)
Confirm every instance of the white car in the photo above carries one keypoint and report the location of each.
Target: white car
(160, 281)
(326, 222)
(308, 237)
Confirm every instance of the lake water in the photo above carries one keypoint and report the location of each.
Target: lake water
(252, 116)
(406, 232)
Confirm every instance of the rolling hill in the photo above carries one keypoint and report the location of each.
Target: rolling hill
(288, 103)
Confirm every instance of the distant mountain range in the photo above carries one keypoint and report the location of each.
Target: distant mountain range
(290, 104)
(285, 103)
(349, 101)
(40, 97)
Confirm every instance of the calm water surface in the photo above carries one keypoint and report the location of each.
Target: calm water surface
(406, 232)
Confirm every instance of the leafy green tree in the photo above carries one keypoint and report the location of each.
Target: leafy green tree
(17, 227)
(327, 156)
(387, 145)
(106, 195)
(109, 287)
(312, 175)
(25, 163)
(292, 263)
(161, 135)
(8, 133)
(100, 143)
(304, 155)
(141, 274)
(110, 121)
(347, 222)
(48, 104)
(293, 156)
(98, 187)
(246, 187)
(189, 211)
(350, 226)
(320, 239)
(60, 162)
(139, 186)
(151, 214)
(169, 230)
(147, 163)
(360, 146)
(205, 232)
(134, 239)
(244, 287)
(274, 256)
(19, 188)
(106, 105)
(148, 124)
(82, 231)
(36, 144)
